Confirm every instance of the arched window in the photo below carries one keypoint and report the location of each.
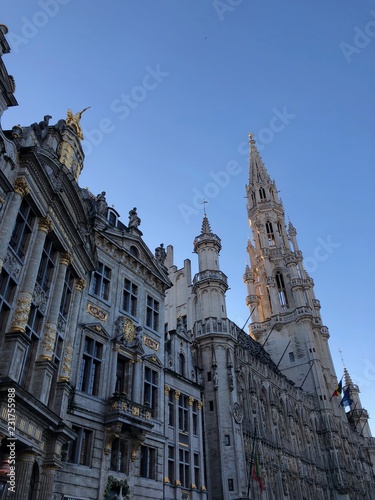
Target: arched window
(134, 251)
(253, 197)
(279, 232)
(281, 290)
(270, 234)
(262, 193)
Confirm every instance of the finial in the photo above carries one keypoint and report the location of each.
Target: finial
(342, 359)
(204, 203)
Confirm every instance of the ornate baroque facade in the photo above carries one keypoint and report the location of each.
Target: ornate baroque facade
(121, 375)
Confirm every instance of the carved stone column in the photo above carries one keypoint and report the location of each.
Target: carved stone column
(71, 328)
(49, 336)
(24, 468)
(21, 189)
(46, 483)
(23, 306)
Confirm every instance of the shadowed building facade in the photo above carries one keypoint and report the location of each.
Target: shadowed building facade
(128, 379)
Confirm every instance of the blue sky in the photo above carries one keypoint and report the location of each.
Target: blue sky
(176, 86)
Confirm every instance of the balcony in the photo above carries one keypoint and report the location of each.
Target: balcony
(210, 276)
(122, 409)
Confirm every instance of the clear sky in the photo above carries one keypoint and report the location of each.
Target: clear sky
(175, 86)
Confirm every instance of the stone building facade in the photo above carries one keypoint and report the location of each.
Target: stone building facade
(121, 375)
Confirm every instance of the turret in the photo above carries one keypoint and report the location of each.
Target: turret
(357, 416)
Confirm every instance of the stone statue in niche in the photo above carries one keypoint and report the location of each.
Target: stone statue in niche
(101, 203)
(134, 220)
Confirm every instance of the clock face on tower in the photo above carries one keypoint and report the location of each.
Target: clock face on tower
(237, 413)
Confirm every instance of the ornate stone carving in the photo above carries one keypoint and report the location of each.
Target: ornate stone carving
(67, 363)
(21, 314)
(48, 342)
(66, 258)
(45, 224)
(20, 186)
(12, 264)
(39, 298)
(80, 284)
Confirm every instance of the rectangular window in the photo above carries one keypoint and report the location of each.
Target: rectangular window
(100, 282)
(183, 413)
(148, 462)
(150, 396)
(34, 322)
(130, 297)
(123, 376)
(184, 466)
(46, 266)
(211, 405)
(230, 485)
(171, 465)
(79, 451)
(67, 294)
(22, 230)
(171, 409)
(152, 313)
(227, 440)
(291, 357)
(196, 470)
(195, 418)
(209, 376)
(7, 292)
(90, 367)
(119, 456)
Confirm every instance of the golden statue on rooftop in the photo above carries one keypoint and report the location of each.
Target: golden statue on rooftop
(74, 119)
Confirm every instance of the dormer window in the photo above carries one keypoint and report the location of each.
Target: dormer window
(112, 218)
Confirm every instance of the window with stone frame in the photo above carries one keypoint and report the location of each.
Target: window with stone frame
(171, 465)
(47, 265)
(148, 462)
(67, 294)
(33, 331)
(196, 470)
(281, 290)
(22, 230)
(7, 292)
(195, 418)
(123, 376)
(119, 456)
(270, 234)
(80, 450)
(183, 413)
(101, 281)
(151, 389)
(152, 313)
(89, 376)
(184, 467)
(171, 403)
(130, 297)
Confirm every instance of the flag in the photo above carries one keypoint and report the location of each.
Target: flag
(346, 399)
(338, 390)
(257, 476)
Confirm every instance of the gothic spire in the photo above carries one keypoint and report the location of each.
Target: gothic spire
(258, 173)
(206, 228)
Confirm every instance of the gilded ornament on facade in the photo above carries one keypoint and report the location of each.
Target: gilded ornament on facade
(66, 258)
(96, 312)
(48, 342)
(150, 343)
(21, 314)
(67, 364)
(20, 186)
(45, 224)
(129, 330)
(80, 284)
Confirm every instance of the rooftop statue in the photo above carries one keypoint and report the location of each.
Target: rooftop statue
(74, 119)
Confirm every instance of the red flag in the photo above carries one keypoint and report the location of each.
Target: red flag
(338, 390)
(257, 476)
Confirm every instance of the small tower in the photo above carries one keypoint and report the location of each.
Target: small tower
(215, 341)
(357, 416)
(280, 293)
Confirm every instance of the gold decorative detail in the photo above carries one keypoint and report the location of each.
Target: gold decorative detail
(96, 312)
(112, 433)
(151, 343)
(166, 390)
(73, 121)
(114, 405)
(200, 405)
(20, 186)
(48, 342)
(129, 330)
(203, 488)
(178, 482)
(45, 224)
(148, 415)
(66, 258)
(166, 480)
(80, 284)
(67, 364)
(124, 407)
(135, 411)
(191, 401)
(177, 395)
(21, 314)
